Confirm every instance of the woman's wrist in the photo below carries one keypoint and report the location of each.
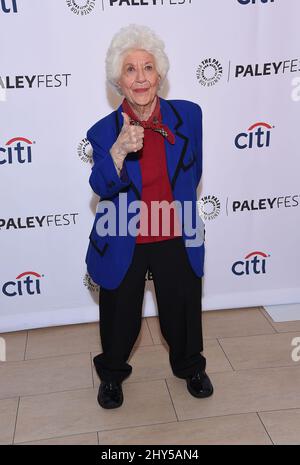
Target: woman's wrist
(117, 153)
(118, 158)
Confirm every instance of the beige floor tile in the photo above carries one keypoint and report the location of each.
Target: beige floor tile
(8, 412)
(77, 412)
(235, 322)
(240, 392)
(144, 338)
(15, 345)
(268, 350)
(153, 324)
(232, 429)
(45, 375)
(283, 426)
(62, 340)
(284, 326)
(216, 360)
(89, 439)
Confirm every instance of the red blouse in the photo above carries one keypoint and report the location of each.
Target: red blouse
(155, 185)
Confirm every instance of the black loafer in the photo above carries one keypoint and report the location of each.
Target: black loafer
(110, 394)
(199, 384)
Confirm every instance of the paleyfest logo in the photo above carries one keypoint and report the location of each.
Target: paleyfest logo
(38, 221)
(267, 69)
(26, 283)
(36, 81)
(16, 150)
(258, 135)
(265, 204)
(253, 263)
(149, 2)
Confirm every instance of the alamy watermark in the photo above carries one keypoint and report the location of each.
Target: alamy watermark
(162, 218)
(296, 351)
(2, 349)
(295, 94)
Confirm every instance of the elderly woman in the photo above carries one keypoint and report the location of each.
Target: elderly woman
(147, 154)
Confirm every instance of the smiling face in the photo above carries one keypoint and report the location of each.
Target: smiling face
(139, 79)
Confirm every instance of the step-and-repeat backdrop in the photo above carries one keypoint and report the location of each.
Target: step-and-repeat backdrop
(238, 59)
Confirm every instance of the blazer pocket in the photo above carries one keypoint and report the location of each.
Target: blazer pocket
(99, 243)
(188, 160)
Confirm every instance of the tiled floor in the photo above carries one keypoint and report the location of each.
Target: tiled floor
(48, 387)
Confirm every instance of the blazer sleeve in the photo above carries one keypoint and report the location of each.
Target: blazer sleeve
(104, 179)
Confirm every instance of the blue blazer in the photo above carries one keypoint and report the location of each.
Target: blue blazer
(109, 256)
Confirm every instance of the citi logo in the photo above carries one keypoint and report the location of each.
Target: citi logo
(246, 2)
(257, 136)
(253, 263)
(16, 150)
(26, 283)
(9, 6)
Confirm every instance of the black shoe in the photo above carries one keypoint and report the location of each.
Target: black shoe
(199, 384)
(110, 394)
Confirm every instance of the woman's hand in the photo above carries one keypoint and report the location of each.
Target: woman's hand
(131, 139)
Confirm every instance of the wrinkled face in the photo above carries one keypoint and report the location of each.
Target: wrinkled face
(139, 79)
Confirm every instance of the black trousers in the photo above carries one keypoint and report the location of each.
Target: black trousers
(178, 293)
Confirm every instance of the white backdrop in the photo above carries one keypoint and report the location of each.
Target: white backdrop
(240, 60)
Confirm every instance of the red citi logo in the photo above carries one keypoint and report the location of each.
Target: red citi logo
(26, 283)
(257, 136)
(16, 150)
(254, 262)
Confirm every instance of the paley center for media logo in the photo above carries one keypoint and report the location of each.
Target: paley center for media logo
(8, 6)
(254, 263)
(93, 287)
(81, 8)
(90, 284)
(85, 7)
(258, 135)
(85, 151)
(210, 70)
(16, 150)
(26, 283)
(209, 207)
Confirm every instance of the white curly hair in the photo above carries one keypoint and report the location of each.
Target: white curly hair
(130, 38)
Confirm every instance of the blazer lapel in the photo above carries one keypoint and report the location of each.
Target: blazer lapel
(175, 153)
